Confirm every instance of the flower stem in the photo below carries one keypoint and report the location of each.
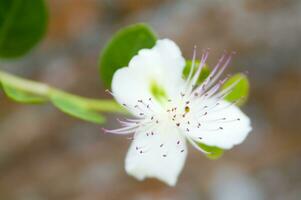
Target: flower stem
(47, 92)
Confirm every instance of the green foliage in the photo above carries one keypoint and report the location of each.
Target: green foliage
(204, 72)
(122, 47)
(76, 107)
(22, 25)
(21, 96)
(241, 89)
(26, 91)
(213, 152)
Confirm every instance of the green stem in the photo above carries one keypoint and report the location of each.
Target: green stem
(47, 92)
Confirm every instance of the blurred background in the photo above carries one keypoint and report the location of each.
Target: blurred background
(46, 155)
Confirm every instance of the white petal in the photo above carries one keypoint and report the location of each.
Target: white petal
(163, 64)
(163, 156)
(223, 126)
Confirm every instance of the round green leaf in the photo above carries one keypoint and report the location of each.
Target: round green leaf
(21, 96)
(22, 25)
(213, 152)
(76, 108)
(122, 47)
(240, 92)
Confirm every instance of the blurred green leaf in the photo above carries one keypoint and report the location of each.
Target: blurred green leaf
(122, 47)
(213, 152)
(22, 25)
(20, 95)
(241, 89)
(203, 75)
(76, 108)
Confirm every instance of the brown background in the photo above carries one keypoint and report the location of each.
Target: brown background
(46, 155)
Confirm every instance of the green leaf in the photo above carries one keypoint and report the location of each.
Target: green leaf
(21, 96)
(122, 47)
(76, 107)
(204, 72)
(240, 91)
(213, 152)
(22, 25)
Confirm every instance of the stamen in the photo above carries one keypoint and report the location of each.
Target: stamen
(187, 109)
(192, 65)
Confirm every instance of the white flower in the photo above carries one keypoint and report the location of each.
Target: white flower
(169, 111)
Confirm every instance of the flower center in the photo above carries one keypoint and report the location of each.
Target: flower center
(158, 92)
